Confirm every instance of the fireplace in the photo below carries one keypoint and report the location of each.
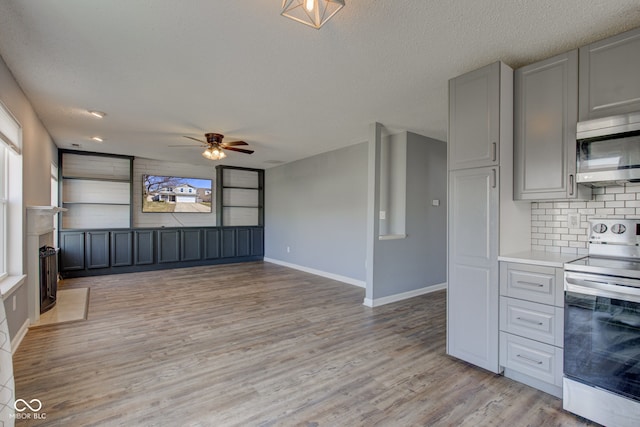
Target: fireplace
(48, 277)
(40, 231)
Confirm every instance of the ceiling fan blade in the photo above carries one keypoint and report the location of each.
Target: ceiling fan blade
(186, 146)
(240, 150)
(195, 139)
(233, 143)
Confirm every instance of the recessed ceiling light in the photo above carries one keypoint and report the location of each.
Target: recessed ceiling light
(97, 139)
(98, 114)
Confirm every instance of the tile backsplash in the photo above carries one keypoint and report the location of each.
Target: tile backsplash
(550, 228)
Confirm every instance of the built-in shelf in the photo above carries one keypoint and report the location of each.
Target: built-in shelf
(240, 196)
(95, 203)
(84, 178)
(96, 190)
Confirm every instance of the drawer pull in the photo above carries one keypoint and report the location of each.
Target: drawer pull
(537, 285)
(528, 359)
(535, 322)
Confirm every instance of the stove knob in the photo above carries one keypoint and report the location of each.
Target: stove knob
(618, 228)
(600, 228)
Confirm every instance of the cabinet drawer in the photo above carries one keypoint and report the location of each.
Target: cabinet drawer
(532, 320)
(532, 358)
(532, 282)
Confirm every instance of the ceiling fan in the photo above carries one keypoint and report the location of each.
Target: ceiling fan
(215, 146)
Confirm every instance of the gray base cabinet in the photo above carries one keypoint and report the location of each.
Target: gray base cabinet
(143, 247)
(532, 325)
(121, 248)
(97, 249)
(72, 258)
(96, 252)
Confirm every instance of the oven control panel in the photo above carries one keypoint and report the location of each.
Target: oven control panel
(614, 231)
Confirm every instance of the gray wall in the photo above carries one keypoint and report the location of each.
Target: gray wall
(38, 152)
(419, 260)
(317, 207)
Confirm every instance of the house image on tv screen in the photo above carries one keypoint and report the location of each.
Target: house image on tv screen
(175, 194)
(183, 193)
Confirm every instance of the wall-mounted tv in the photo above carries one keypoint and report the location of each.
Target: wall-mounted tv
(176, 194)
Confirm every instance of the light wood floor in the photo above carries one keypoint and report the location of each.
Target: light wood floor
(260, 345)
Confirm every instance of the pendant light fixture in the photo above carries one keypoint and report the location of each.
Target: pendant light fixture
(314, 13)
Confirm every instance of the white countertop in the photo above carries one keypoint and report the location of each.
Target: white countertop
(548, 259)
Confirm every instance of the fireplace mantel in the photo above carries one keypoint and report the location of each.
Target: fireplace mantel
(40, 231)
(39, 219)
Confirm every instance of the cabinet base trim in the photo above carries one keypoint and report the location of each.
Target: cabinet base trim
(551, 389)
(376, 302)
(345, 279)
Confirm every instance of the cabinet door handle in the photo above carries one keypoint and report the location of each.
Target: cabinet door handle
(495, 178)
(495, 151)
(571, 185)
(534, 322)
(528, 359)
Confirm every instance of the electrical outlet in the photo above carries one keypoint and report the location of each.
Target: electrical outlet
(574, 220)
(288, 249)
(383, 214)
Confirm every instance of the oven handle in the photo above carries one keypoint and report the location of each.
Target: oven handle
(600, 286)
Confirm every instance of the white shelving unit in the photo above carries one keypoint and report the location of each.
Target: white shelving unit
(95, 190)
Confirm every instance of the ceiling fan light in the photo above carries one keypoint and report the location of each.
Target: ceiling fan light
(207, 154)
(213, 153)
(314, 13)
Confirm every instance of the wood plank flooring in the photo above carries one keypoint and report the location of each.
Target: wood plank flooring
(258, 344)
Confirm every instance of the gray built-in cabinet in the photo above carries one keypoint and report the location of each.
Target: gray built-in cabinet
(97, 252)
(482, 218)
(545, 115)
(96, 236)
(609, 82)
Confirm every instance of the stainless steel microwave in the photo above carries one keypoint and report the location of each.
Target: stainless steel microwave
(608, 150)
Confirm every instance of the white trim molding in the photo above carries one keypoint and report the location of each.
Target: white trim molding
(22, 332)
(345, 279)
(376, 302)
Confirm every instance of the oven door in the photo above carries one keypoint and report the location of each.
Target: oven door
(602, 332)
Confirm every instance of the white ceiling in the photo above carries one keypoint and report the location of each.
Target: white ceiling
(161, 69)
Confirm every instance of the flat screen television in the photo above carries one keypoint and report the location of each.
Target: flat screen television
(176, 194)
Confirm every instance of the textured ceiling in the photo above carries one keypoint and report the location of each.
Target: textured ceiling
(161, 69)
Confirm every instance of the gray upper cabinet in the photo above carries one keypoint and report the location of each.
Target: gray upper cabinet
(546, 113)
(609, 76)
(474, 118)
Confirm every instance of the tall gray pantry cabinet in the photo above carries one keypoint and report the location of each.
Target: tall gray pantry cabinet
(483, 220)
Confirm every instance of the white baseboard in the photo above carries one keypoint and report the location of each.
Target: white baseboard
(345, 279)
(15, 342)
(404, 295)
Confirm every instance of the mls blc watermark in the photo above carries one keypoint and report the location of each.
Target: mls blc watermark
(31, 410)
